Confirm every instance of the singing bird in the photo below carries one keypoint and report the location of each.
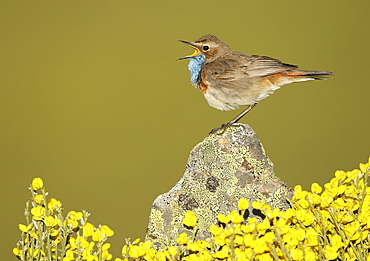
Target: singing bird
(229, 79)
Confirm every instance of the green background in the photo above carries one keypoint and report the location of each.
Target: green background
(93, 101)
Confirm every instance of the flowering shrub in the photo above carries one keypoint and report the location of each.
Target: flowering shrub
(48, 235)
(330, 223)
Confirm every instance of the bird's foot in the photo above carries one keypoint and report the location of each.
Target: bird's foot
(221, 130)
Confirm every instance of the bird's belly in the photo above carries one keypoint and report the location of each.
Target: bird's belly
(226, 100)
(231, 97)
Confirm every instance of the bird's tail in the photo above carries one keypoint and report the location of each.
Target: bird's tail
(282, 78)
(309, 75)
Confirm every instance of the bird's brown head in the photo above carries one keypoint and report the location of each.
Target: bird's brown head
(208, 45)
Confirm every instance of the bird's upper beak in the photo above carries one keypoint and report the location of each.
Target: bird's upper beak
(196, 50)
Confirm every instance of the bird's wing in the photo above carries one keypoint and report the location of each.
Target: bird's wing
(233, 69)
(263, 65)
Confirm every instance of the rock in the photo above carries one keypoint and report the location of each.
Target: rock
(221, 170)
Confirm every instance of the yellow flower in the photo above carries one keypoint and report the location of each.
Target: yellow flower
(38, 252)
(305, 217)
(350, 191)
(220, 239)
(106, 230)
(190, 219)
(91, 258)
(297, 189)
(243, 204)
(314, 199)
(312, 235)
(88, 230)
(82, 242)
(273, 214)
(223, 253)
(326, 200)
(309, 255)
(238, 240)
(235, 217)
(172, 251)
(54, 232)
(17, 252)
(215, 230)
(194, 247)
(149, 254)
(351, 175)
(261, 246)
(135, 251)
(269, 237)
(38, 212)
(336, 241)
(249, 240)
(339, 203)
(330, 252)
(258, 204)
(72, 223)
(205, 256)
(265, 257)
(288, 214)
(37, 183)
(283, 226)
(145, 245)
(98, 236)
(51, 221)
(72, 242)
(290, 239)
(344, 218)
(351, 229)
(106, 246)
(263, 226)
(160, 256)
(364, 167)
(340, 175)
(297, 254)
(53, 204)
(106, 255)
(223, 219)
(334, 183)
(75, 215)
(39, 199)
(182, 239)
(33, 235)
(300, 195)
(24, 228)
(316, 188)
(303, 203)
(124, 250)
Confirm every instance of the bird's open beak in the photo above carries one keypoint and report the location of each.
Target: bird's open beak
(196, 50)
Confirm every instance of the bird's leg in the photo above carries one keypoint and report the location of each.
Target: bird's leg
(235, 120)
(241, 115)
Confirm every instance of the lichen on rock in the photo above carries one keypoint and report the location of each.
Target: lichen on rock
(221, 170)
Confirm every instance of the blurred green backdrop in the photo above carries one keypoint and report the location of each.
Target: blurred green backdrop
(93, 101)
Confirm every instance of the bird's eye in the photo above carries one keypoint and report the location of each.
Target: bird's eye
(205, 48)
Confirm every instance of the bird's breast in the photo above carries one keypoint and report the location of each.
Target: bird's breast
(195, 65)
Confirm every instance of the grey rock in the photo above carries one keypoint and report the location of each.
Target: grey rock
(221, 170)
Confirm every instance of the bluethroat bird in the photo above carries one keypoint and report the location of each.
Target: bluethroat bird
(229, 79)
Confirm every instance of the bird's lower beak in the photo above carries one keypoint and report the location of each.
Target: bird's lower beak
(196, 50)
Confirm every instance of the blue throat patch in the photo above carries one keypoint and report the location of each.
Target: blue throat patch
(195, 65)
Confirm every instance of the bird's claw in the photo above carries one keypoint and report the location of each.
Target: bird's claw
(221, 130)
